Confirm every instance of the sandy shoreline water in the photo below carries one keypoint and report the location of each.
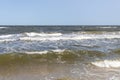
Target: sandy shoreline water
(76, 71)
(53, 66)
(50, 66)
(37, 72)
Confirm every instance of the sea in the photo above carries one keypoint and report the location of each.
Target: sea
(74, 52)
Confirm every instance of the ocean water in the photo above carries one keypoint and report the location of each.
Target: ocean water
(60, 52)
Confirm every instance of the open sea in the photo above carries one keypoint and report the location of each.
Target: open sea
(60, 52)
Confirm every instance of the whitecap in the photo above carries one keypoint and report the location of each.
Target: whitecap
(107, 63)
(5, 36)
(69, 37)
(7, 40)
(32, 34)
(58, 36)
(3, 27)
(108, 27)
(43, 52)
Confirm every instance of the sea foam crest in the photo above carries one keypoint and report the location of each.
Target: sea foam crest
(3, 27)
(5, 36)
(69, 37)
(7, 40)
(108, 27)
(107, 63)
(32, 34)
(44, 52)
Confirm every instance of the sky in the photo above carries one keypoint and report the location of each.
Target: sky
(59, 12)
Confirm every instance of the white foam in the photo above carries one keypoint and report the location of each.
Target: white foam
(43, 52)
(3, 27)
(5, 36)
(72, 37)
(37, 52)
(57, 36)
(107, 63)
(7, 40)
(9, 37)
(108, 27)
(37, 38)
(32, 34)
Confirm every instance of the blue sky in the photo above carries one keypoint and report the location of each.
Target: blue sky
(59, 12)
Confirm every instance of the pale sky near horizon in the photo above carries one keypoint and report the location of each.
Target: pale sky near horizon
(59, 12)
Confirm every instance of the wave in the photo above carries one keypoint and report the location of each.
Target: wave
(5, 36)
(44, 52)
(32, 36)
(107, 63)
(66, 56)
(3, 27)
(70, 36)
(109, 27)
(76, 37)
(61, 56)
(7, 40)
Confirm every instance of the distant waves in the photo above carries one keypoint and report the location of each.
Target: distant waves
(34, 41)
(33, 36)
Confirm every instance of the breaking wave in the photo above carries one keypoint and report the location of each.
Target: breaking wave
(3, 27)
(61, 56)
(5, 36)
(107, 63)
(111, 61)
(44, 52)
(108, 27)
(32, 36)
(57, 56)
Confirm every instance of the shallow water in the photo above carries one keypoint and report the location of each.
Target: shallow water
(60, 71)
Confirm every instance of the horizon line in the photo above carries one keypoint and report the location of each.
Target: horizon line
(54, 25)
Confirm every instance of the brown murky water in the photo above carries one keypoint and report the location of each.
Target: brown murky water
(76, 71)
